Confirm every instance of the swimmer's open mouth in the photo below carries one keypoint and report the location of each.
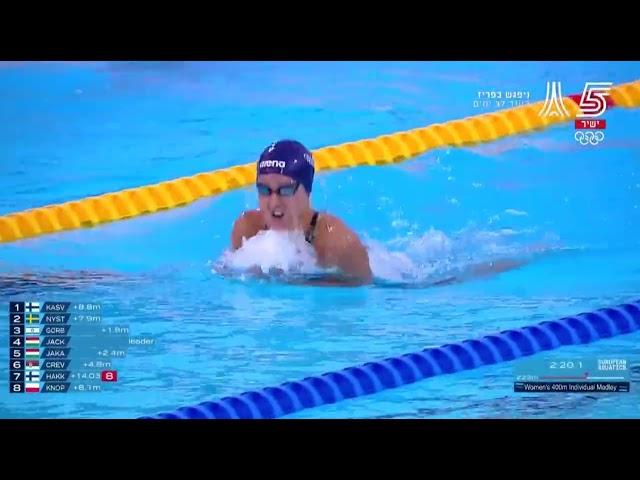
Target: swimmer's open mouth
(277, 214)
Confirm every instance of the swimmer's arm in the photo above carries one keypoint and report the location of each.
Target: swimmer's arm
(353, 260)
(496, 266)
(345, 251)
(330, 281)
(482, 270)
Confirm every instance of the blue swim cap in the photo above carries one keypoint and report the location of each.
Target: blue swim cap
(290, 158)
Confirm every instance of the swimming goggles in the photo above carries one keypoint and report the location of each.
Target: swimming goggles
(284, 191)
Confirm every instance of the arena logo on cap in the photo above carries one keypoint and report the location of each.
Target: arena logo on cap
(272, 163)
(309, 159)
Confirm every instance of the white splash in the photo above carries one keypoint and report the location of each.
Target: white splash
(518, 213)
(399, 223)
(430, 256)
(435, 255)
(271, 252)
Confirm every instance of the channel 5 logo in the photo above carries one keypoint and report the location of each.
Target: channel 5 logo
(592, 103)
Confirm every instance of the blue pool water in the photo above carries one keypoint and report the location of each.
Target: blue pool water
(71, 130)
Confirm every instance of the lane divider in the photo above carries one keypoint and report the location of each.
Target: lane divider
(391, 148)
(394, 372)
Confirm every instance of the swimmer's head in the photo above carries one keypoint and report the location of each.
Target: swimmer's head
(284, 182)
(288, 158)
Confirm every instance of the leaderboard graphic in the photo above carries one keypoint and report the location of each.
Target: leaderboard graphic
(63, 347)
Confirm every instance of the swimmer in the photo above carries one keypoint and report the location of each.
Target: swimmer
(284, 182)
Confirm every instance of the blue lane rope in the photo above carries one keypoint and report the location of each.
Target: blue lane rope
(373, 377)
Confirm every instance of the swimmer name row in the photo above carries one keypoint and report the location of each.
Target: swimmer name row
(60, 307)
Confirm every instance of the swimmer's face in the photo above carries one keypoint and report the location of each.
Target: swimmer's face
(282, 201)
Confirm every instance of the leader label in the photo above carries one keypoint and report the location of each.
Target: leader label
(60, 307)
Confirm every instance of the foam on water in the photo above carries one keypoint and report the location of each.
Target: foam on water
(271, 253)
(436, 256)
(432, 257)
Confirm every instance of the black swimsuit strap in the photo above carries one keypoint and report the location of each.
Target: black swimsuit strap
(312, 233)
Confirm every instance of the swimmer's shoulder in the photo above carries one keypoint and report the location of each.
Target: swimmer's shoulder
(331, 230)
(247, 225)
(337, 245)
(326, 222)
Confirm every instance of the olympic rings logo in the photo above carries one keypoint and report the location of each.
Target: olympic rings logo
(589, 137)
